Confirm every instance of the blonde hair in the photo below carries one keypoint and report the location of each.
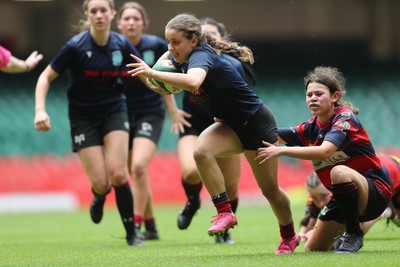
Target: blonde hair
(190, 26)
(84, 24)
(136, 6)
(333, 79)
(313, 181)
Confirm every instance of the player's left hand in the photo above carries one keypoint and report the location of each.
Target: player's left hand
(267, 152)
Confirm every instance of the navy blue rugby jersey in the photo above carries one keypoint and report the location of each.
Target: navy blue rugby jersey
(355, 149)
(95, 72)
(236, 63)
(224, 93)
(141, 99)
(196, 107)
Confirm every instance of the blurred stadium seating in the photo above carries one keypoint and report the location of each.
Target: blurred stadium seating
(41, 164)
(376, 96)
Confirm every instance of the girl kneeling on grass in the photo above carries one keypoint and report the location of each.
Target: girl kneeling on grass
(343, 158)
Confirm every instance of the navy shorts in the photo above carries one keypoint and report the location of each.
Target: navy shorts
(261, 127)
(376, 205)
(146, 125)
(199, 124)
(91, 132)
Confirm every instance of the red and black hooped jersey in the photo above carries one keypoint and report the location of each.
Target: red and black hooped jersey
(355, 149)
(392, 165)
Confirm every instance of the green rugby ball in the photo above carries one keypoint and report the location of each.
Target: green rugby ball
(168, 66)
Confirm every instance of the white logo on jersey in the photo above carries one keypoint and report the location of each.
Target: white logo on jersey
(89, 54)
(337, 157)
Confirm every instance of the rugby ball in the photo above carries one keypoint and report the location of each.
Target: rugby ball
(168, 66)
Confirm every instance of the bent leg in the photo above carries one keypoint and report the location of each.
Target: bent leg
(231, 168)
(323, 236)
(191, 181)
(217, 141)
(266, 175)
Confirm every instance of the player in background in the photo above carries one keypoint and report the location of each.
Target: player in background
(95, 59)
(11, 64)
(343, 158)
(146, 112)
(243, 119)
(200, 120)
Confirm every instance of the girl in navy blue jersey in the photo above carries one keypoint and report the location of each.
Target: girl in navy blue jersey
(200, 120)
(95, 59)
(243, 119)
(343, 158)
(146, 112)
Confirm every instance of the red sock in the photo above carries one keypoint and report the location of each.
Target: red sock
(223, 206)
(139, 219)
(287, 231)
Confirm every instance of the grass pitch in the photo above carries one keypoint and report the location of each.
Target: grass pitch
(71, 239)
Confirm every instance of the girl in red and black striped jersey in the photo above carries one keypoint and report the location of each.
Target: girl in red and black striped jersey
(343, 158)
(319, 196)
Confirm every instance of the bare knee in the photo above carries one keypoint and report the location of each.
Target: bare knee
(310, 247)
(118, 176)
(339, 174)
(100, 187)
(201, 155)
(271, 193)
(191, 175)
(138, 170)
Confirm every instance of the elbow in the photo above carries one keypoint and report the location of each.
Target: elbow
(192, 87)
(326, 154)
(193, 83)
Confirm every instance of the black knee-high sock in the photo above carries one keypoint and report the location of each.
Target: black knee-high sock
(124, 198)
(150, 224)
(234, 204)
(346, 195)
(192, 191)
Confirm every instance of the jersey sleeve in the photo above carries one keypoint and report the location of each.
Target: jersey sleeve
(200, 59)
(293, 135)
(342, 127)
(62, 60)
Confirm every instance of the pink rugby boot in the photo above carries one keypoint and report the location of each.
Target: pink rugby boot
(288, 245)
(222, 222)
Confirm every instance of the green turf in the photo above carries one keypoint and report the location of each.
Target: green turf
(70, 239)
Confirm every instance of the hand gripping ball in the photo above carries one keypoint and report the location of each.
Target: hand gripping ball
(168, 66)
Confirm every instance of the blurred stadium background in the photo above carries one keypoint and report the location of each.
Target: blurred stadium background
(38, 172)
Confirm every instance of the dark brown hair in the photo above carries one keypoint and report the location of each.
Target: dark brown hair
(190, 26)
(333, 79)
